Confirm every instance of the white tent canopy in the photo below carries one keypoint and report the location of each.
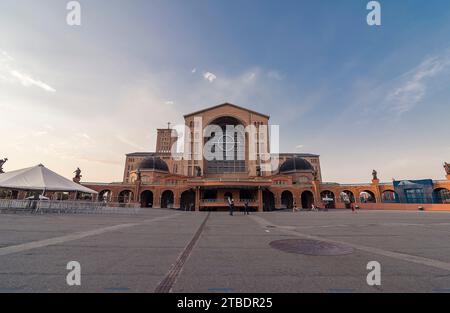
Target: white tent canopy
(39, 178)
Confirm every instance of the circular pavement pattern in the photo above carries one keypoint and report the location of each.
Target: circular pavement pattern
(311, 247)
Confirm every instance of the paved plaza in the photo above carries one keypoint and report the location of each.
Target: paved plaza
(165, 250)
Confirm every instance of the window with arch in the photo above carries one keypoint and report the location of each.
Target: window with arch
(231, 146)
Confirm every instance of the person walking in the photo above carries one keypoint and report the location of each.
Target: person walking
(294, 208)
(246, 212)
(231, 206)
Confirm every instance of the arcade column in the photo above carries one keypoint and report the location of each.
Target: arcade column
(157, 199)
(197, 198)
(356, 194)
(277, 196)
(316, 190)
(112, 197)
(376, 185)
(137, 189)
(260, 200)
(177, 200)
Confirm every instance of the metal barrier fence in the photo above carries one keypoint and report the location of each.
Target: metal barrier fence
(66, 207)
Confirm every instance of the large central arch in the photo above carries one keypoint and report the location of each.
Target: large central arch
(230, 146)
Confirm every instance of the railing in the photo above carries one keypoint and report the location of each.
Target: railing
(222, 179)
(225, 202)
(211, 200)
(66, 207)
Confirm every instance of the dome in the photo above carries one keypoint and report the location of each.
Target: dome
(153, 163)
(296, 164)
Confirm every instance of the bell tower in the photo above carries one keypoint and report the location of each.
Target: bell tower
(164, 140)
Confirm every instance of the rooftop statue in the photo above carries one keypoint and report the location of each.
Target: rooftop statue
(447, 168)
(78, 176)
(375, 175)
(1, 164)
(139, 175)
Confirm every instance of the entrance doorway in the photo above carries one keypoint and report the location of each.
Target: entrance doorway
(147, 199)
(268, 201)
(287, 199)
(307, 199)
(167, 199)
(187, 202)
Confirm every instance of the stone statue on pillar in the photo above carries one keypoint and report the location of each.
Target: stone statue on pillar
(139, 175)
(375, 175)
(2, 161)
(77, 178)
(447, 170)
(446, 167)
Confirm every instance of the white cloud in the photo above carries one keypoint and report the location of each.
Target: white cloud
(9, 73)
(413, 84)
(209, 77)
(194, 70)
(130, 143)
(140, 105)
(27, 81)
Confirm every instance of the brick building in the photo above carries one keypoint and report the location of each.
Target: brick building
(168, 178)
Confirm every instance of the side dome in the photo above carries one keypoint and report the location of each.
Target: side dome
(153, 163)
(296, 164)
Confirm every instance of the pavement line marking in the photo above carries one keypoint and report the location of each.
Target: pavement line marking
(75, 236)
(396, 255)
(165, 286)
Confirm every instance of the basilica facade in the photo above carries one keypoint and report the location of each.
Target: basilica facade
(245, 168)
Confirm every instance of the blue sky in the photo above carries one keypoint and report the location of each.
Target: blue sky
(362, 97)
